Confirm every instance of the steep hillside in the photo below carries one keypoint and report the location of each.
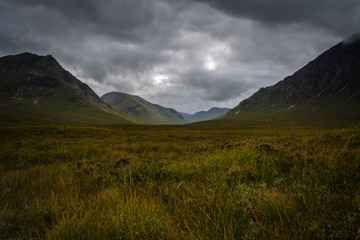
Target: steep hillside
(140, 110)
(37, 87)
(212, 113)
(325, 91)
(185, 115)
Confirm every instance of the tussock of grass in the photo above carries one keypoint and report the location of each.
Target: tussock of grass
(59, 182)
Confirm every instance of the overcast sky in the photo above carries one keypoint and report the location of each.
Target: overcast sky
(186, 54)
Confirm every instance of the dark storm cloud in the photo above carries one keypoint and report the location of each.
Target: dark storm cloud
(120, 19)
(182, 54)
(97, 38)
(341, 17)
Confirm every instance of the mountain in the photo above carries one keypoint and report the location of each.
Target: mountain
(185, 115)
(38, 88)
(325, 91)
(140, 110)
(212, 113)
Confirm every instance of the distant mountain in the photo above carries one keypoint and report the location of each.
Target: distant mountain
(37, 87)
(212, 113)
(325, 91)
(140, 110)
(185, 115)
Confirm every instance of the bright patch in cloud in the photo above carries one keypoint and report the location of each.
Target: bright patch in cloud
(210, 64)
(159, 79)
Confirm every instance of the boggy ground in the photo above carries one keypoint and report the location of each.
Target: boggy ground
(179, 182)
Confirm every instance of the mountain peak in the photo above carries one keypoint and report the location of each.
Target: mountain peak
(212, 113)
(140, 110)
(26, 54)
(29, 55)
(38, 86)
(331, 81)
(30, 60)
(50, 58)
(352, 40)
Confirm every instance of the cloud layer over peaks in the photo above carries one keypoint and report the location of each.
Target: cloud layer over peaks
(190, 55)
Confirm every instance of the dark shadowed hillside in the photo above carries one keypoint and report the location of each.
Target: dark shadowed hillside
(37, 87)
(325, 91)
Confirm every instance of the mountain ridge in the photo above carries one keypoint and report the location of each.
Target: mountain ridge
(212, 113)
(39, 87)
(327, 89)
(141, 110)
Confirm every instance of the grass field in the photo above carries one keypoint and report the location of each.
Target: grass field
(179, 182)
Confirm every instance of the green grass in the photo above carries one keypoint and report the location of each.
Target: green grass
(56, 110)
(179, 182)
(338, 111)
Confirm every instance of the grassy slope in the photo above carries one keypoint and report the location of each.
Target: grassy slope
(179, 182)
(142, 111)
(57, 110)
(335, 113)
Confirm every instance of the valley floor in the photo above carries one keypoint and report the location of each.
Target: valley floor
(179, 182)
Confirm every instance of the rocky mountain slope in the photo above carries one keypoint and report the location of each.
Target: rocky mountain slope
(140, 110)
(326, 90)
(37, 87)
